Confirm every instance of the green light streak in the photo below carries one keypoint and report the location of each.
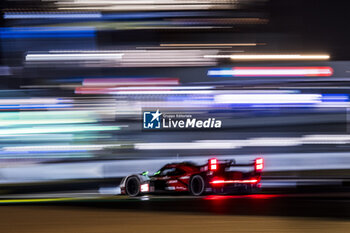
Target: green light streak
(46, 117)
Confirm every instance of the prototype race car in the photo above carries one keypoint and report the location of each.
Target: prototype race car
(217, 176)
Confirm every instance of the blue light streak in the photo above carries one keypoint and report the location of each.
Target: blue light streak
(46, 32)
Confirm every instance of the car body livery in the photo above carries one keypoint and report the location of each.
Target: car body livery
(217, 176)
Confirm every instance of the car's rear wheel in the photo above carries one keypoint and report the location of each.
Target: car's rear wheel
(197, 185)
(132, 186)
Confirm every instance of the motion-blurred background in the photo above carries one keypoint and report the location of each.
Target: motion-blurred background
(76, 76)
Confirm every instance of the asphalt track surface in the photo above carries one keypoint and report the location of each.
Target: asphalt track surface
(326, 212)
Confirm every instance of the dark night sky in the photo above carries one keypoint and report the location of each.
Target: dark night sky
(321, 24)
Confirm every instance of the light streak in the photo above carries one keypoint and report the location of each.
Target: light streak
(252, 181)
(57, 148)
(268, 57)
(208, 45)
(74, 57)
(268, 98)
(51, 15)
(57, 129)
(271, 72)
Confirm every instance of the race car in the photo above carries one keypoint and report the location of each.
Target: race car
(216, 176)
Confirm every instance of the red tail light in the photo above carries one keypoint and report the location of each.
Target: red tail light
(218, 181)
(213, 164)
(259, 164)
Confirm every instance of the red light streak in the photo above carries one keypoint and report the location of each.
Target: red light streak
(251, 181)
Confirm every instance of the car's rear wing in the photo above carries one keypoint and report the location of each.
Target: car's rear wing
(213, 164)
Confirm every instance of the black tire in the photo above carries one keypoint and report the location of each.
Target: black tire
(132, 186)
(197, 185)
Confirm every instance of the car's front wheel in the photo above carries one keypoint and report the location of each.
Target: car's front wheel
(197, 185)
(132, 186)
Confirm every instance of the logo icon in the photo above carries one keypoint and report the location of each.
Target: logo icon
(151, 120)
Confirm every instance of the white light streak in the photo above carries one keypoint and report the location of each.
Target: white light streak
(268, 98)
(74, 57)
(250, 142)
(271, 57)
(59, 148)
